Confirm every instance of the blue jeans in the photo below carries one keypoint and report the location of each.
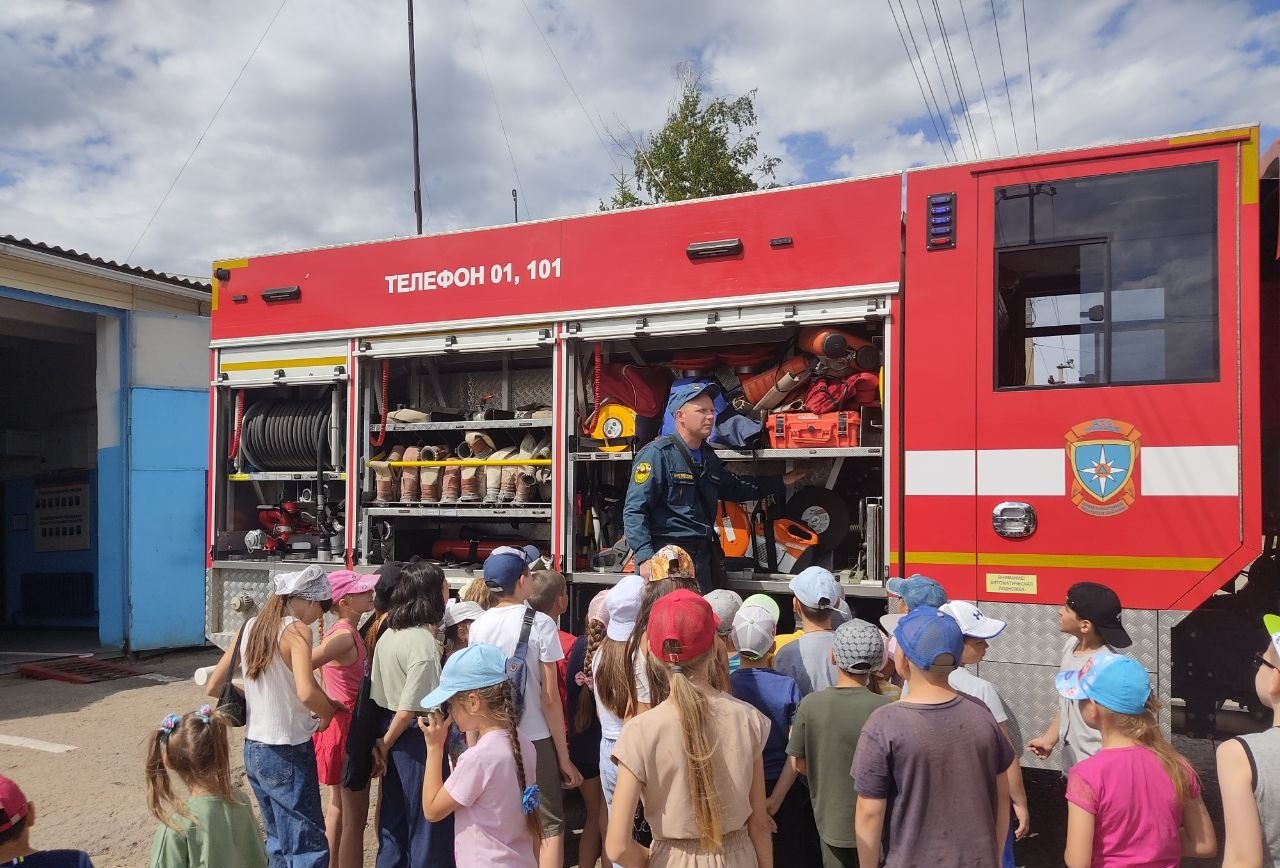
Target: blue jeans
(287, 786)
(608, 771)
(405, 837)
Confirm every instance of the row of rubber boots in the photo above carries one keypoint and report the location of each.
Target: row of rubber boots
(456, 484)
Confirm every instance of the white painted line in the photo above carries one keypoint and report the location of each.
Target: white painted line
(35, 744)
(163, 679)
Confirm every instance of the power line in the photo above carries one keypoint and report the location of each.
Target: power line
(199, 141)
(572, 89)
(946, 139)
(942, 140)
(1030, 84)
(493, 93)
(995, 20)
(985, 99)
(955, 75)
(928, 34)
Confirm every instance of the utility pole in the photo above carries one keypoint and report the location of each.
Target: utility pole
(413, 102)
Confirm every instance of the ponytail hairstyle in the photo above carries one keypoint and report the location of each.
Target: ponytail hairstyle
(372, 629)
(264, 638)
(195, 748)
(585, 714)
(637, 644)
(699, 744)
(501, 708)
(1144, 728)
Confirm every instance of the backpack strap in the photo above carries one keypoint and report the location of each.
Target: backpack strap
(1253, 763)
(526, 626)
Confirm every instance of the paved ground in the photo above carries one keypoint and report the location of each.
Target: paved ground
(94, 797)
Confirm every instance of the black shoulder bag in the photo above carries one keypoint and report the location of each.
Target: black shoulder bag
(231, 703)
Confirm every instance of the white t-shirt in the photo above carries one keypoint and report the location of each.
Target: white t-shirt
(501, 626)
(966, 682)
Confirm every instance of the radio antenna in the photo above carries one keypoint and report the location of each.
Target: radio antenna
(413, 102)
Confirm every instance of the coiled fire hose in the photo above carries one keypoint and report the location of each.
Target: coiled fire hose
(283, 435)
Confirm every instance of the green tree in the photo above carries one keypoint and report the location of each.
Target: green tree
(705, 148)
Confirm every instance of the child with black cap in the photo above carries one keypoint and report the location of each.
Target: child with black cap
(825, 734)
(506, 625)
(1091, 618)
(930, 768)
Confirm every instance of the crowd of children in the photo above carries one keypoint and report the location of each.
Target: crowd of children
(697, 736)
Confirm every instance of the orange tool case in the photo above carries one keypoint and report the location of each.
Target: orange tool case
(810, 430)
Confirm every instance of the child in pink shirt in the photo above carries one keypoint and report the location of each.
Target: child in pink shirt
(1137, 801)
(492, 790)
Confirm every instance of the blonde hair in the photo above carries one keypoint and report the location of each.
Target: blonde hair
(197, 751)
(500, 707)
(476, 591)
(650, 594)
(699, 747)
(585, 713)
(1144, 728)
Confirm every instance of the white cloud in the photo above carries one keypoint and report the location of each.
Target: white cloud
(104, 101)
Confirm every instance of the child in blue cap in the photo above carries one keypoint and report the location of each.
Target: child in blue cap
(497, 824)
(930, 768)
(1137, 800)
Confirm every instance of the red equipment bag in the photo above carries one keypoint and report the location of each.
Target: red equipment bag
(827, 394)
(865, 390)
(642, 388)
(813, 430)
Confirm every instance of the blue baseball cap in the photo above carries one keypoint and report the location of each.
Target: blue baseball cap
(504, 567)
(917, 590)
(1113, 681)
(469, 668)
(924, 634)
(681, 395)
(817, 588)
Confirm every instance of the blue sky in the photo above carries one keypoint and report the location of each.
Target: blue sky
(104, 102)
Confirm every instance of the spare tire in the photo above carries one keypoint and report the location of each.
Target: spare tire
(825, 512)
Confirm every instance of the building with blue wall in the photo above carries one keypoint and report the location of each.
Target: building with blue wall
(103, 447)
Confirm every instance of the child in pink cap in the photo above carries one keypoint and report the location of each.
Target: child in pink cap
(17, 816)
(342, 658)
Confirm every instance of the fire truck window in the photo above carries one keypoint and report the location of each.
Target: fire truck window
(1108, 279)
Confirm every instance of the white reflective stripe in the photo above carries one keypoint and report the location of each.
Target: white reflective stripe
(944, 471)
(1163, 471)
(1204, 471)
(1022, 472)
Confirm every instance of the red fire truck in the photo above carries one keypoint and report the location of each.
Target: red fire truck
(1032, 371)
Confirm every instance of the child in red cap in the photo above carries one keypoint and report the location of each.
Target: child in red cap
(17, 816)
(723, 821)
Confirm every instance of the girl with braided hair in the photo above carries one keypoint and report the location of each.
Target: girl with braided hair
(215, 825)
(491, 790)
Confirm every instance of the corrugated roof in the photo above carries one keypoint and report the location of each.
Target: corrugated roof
(68, 253)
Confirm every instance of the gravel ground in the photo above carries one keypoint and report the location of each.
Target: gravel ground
(94, 798)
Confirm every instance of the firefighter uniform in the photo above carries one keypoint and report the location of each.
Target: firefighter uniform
(672, 500)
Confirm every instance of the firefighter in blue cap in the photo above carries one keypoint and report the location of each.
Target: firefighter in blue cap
(677, 484)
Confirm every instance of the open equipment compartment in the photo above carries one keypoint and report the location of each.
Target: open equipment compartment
(620, 371)
(456, 436)
(280, 453)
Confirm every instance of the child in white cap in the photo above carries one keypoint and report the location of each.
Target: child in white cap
(977, 629)
(777, 697)
(611, 671)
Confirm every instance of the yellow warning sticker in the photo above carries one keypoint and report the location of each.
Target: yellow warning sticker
(643, 471)
(1010, 583)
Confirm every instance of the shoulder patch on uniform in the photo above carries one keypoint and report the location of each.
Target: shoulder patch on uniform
(642, 473)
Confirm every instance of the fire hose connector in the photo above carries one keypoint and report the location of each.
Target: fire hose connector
(242, 603)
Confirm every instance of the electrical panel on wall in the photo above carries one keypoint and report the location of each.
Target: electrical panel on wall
(62, 517)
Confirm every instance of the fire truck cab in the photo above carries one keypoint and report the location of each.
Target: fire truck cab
(1052, 369)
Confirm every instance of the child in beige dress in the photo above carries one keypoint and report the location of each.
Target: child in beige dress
(705, 802)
